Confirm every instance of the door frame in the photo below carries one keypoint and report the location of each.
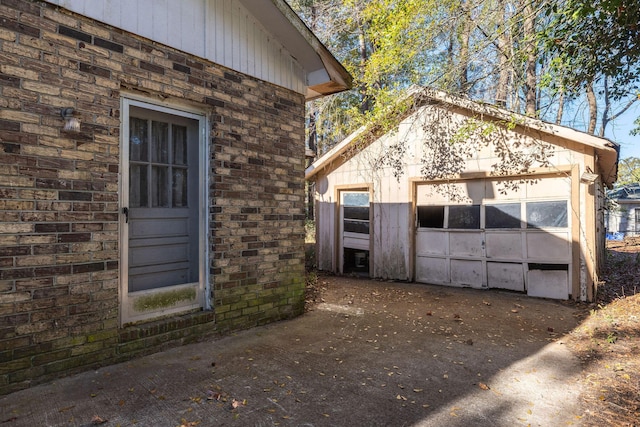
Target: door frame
(127, 301)
(339, 246)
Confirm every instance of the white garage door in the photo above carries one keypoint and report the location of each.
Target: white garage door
(519, 241)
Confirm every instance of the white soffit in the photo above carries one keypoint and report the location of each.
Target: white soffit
(325, 75)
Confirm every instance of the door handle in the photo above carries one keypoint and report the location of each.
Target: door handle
(125, 211)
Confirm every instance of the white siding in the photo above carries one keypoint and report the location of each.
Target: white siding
(222, 31)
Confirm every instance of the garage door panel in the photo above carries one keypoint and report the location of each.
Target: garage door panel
(549, 246)
(505, 245)
(548, 283)
(432, 270)
(466, 272)
(504, 275)
(431, 242)
(465, 243)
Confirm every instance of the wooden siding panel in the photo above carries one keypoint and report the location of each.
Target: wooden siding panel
(161, 30)
(128, 17)
(227, 34)
(146, 15)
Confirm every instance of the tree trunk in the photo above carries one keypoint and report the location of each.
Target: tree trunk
(607, 108)
(593, 108)
(464, 48)
(560, 108)
(503, 56)
(365, 104)
(531, 59)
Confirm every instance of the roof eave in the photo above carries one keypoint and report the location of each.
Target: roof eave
(324, 73)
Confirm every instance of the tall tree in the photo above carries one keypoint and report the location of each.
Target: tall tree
(529, 56)
(594, 42)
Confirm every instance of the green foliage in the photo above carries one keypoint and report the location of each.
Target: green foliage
(636, 130)
(589, 39)
(481, 49)
(629, 170)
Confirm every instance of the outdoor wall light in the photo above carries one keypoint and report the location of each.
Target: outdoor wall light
(71, 123)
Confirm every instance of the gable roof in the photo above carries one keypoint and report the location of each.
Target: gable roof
(606, 150)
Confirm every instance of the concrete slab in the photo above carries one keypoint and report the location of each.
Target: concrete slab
(374, 354)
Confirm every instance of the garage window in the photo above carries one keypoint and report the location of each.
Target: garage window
(547, 214)
(504, 215)
(356, 212)
(431, 216)
(464, 217)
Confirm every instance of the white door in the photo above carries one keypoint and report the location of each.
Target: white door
(161, 206)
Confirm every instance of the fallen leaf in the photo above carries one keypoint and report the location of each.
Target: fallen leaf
(483, 386)
(212, 395)
(96, 420)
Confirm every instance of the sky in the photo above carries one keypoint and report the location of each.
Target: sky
(618, 131)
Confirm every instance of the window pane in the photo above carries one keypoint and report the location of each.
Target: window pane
(547, 214)
(356, 212)
(160, 142)
(356, 199)
(179, 187)
(355, 226)
(138, 190)
(179, 145)
(138, 139)
(465, 217)
(431, 216)
(159, 184)
(505, 215)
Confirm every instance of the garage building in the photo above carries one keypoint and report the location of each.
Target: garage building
(462, 193)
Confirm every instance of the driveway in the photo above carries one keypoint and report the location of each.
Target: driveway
(370, 353)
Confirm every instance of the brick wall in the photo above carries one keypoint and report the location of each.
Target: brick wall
(59, 212)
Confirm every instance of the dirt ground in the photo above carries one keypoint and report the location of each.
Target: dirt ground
(608, 341)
